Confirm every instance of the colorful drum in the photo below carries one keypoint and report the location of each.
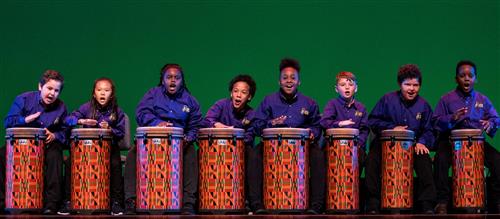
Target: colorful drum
(222, 170)
(159, 169)
(397, 169)
(90, 174)
(24, 169)
(286, 169)
(468, 168)
(343, 170)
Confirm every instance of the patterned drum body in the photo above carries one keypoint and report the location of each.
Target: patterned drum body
(222, 170)
(468, 168)
(343, 170)
(24, 169)
(159, 169)
(397, 169)
(90, 176)
(286, 169)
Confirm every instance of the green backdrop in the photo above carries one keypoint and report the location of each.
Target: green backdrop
(130, 41)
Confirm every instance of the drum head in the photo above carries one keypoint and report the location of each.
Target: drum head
(466, 133)
(91, 133)
(286, 133)
(397, 134)
(342, 132)
(155, 131)
(25, 133)
(221, 132)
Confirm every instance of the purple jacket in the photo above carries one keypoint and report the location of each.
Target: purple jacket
(181, 109)
(52, 116)
(391, 111)
(301, 112)
(116, 122)
(337, 110)
(479, 108)
(223, 111)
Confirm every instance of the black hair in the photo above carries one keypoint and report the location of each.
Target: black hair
(244, 78)
(112, 103)
(173, 65)
(465, 62)
(289, 62)
(409, 71)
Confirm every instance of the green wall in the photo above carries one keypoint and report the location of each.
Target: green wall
(130, 41)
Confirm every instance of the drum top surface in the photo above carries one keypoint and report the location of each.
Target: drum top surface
(342, 131)
(274, 132)
(26, 132)
(160, 131)
(397, 134)
(466, 132)
(204, 132)
(91, 132)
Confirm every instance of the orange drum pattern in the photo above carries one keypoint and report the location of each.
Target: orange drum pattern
(343, 170)
(90, 174)
(286, 169)
(222, 169)
(159, 169)
(397, 169)
(468, 168)
(24, 169)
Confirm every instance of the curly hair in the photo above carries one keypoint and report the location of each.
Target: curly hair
(409, 71)
(244, 78)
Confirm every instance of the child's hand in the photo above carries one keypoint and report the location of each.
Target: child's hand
(400, 128)
(459, 113)
(278, 121)
(486, 124)
(421, 149)
(50, 136)
(32, 117)
(346, 123)
(220, 125)
(165, 124)
(88, 122)
(104, 125)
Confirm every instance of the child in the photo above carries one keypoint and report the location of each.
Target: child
(101, 111)
(402, 110)
(464, 108)
(346, 112)
(169, 104)
(289, 108)
(42, 109)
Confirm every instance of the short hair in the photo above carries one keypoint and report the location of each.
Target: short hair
(347, 75)
(465, 62)
(50, 74)
(289, 62)
(409, 71)
(244, 78)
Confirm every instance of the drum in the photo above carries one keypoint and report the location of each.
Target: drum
(24, 169)
(90, 173)
(468, 168)
(159, 169)
(343, 170)
(286, 169)
(222, 170)
(397, 169)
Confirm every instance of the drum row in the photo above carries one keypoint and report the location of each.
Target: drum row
(222, 172)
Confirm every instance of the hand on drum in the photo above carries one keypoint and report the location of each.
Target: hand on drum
(165, 124)
(32, 117)
(89, 122)
(104, 125)
(50, 136)
(421, 149)
(400, 127)
(220, 125)
(459, 113)
(486, 124)
(346, 123)
(278, 121)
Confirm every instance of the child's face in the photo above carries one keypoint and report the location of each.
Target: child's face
(346, 88)
(240, 94)
(102, 92)
(289, 80)
(465, 78)
(49, 92)
(409, 88)
(172, 80)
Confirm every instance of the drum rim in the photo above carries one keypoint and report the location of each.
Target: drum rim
(399, 135)
(224, 132)
(33, 134)
(87, 133)
(329, 132)
(304, 133)
(155, 131)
